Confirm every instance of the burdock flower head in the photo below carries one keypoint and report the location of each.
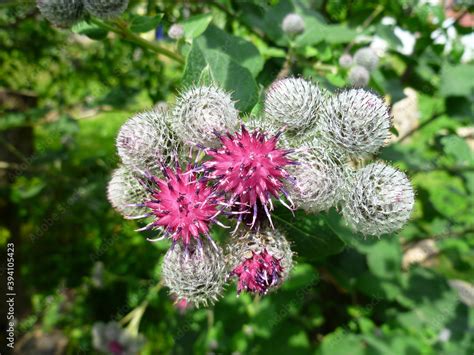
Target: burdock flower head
(261, 261)
(182, 204)
(250, 168)
(200, 111)
(106, 9)
(292, 24)
(196, 274)
(356, 122)
(62, 13)
(379, 201)
(294, 103)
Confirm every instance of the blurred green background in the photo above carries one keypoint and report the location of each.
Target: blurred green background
(64, 95)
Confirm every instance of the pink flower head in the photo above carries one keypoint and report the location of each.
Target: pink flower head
(183, 205)
(251, 168)
(258, 273)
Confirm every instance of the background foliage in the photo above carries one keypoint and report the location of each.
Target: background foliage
(64, 95)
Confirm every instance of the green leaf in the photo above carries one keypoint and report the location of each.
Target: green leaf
(240, 50)
(229, 74)
(89, 30)
(196, 25)
(457, 148)
(316, 32)
(141, 24)
(456, 80)
(384, 258)
(311, 237)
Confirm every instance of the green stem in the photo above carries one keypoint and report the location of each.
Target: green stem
(123, 30)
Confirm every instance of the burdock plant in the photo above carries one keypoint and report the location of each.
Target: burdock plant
(201, 166)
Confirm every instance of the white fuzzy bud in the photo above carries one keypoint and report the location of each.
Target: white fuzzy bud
(359, 76)
(345, 61)
(355, 121)
(124, 190)
(202, 111)
(196, 275)
(292, 24)
(293, 102)
(106, 9)
(62, 13)
(146, 140)
(176, 31)
(367, 58)
(319, 180)
(380, 200)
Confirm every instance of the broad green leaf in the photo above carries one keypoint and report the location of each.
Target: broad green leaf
(384, 258)
(141, 24)
(90, 30)
(316, 32)
(224, 70)
(311, 237)
(196, 25)
(456, 80)
(457, 147)
(240, 50)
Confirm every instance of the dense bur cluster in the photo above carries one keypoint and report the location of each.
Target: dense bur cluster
(200, 165)
(65, 13)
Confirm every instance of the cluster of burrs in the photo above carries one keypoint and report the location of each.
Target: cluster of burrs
(360, 66)
(65, 13)
(200, 165)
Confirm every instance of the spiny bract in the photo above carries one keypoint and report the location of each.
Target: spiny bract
(355, 121)
(106, 9)
(196, 274)
(319, 179)
(124, 193)
(293, 102)
(359, 76)
(62, 13)
(145, 141)
(379, 201)
(367, 58)
(260, 260)
(201, 111)
(292, 24)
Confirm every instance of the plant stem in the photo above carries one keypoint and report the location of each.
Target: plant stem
(123, 30)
